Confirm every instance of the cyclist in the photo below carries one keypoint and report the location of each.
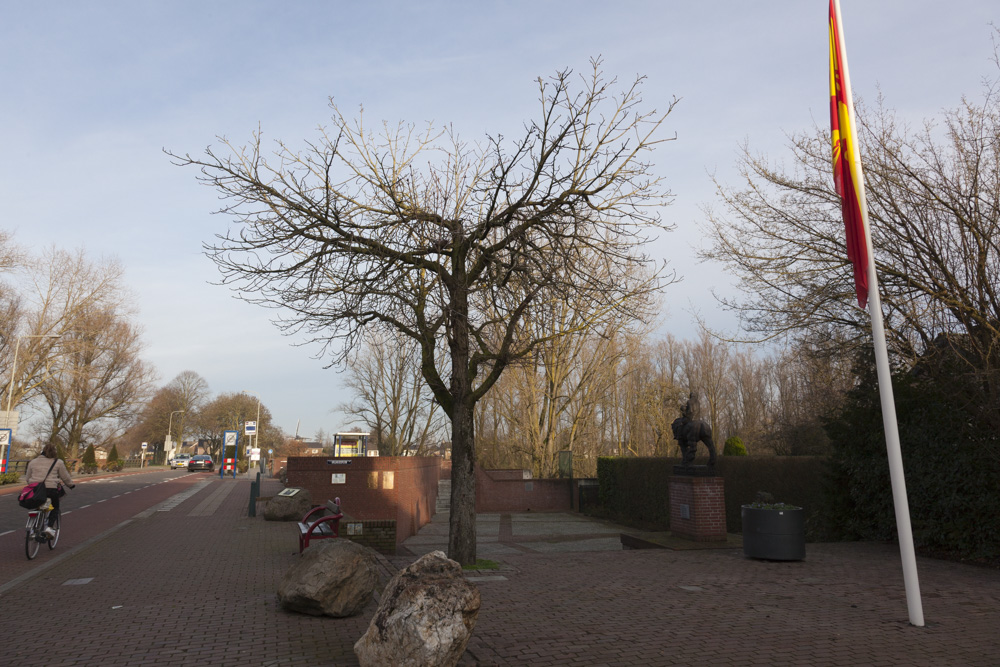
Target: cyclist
(38, 470)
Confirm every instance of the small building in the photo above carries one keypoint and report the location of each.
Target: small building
(351, 443)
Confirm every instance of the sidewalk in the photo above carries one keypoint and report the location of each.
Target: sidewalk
(192, 582)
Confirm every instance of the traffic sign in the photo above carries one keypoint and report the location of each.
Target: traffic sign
(144, 445)
(250, 428)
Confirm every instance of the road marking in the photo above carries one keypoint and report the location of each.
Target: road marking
(78, 582)
(7, 533)
(83, 508)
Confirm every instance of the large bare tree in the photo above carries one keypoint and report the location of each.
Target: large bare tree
(416, 231)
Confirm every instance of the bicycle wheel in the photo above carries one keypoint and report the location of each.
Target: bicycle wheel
(55, 526)
(31, 545)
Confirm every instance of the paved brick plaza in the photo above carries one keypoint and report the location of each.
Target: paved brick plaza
(194, 584)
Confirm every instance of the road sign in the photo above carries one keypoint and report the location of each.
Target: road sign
(230, 439)
(144, 445)
(255, 454)
(250, 428)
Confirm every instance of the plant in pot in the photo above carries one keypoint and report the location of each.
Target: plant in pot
(773, 530)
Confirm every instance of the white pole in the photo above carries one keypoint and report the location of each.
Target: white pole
(894, 452)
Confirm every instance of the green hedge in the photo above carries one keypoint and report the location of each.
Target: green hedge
(635, 491)
(951, 461)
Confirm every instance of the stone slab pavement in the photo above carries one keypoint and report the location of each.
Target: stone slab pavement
(192, 583)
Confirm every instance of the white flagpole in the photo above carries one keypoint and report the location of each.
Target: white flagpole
(896, 476)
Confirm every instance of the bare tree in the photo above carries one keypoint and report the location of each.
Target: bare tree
(98, 383)
(352, 234)
(934, 202)
(390, 396)
(190, 392)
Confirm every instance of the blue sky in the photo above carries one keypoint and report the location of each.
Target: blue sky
(92, 93)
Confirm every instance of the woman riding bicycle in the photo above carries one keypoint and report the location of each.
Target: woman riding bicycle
(39, 469)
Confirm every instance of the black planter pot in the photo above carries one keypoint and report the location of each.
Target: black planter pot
(774, 534)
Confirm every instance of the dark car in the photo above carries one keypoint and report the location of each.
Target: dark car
(201, 462)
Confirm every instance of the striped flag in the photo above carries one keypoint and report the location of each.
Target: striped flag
(846, 162)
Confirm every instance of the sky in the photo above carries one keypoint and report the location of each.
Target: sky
(92, 94)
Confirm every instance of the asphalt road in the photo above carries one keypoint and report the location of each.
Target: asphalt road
(92, 509)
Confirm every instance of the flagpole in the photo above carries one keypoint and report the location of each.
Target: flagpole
(896, 476)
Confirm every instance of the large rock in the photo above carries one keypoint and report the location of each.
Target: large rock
(288, 508)
(333, 577)
(426, 616)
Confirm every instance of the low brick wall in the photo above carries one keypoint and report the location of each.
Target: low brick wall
(379, 534)
(402, 489)
(509, 491)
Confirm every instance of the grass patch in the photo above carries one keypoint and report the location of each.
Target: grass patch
(483, 564)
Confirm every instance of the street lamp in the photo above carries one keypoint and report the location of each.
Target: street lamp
(256, 431)
(10, 387)
(170, 436)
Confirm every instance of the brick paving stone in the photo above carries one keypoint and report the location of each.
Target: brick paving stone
(186, 587)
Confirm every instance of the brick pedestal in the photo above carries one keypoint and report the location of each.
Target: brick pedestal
(698, 508)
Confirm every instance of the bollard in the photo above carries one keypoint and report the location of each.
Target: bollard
(254, 492)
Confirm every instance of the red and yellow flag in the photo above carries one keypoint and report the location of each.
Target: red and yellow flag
(846, 165)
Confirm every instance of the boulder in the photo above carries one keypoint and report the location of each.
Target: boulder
(426, 616)
(288, 508)
(333, 577)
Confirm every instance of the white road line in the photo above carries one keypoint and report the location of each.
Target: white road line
(83, 508)
(7, 533)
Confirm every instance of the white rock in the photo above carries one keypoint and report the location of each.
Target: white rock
(425, 618)
(333, 577)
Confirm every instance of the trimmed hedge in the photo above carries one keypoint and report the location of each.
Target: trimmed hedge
(635, 491)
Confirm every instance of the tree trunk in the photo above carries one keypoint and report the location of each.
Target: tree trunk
(462, 523)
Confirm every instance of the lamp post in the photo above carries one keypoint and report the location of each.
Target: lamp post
(170, 426)
(256, 431)
(10, 387)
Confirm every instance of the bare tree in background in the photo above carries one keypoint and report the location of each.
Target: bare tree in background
(98, 383)
(442, 241)
(190, 392)
(390, 395)
(55, 294)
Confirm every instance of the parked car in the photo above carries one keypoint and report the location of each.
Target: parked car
(201, 462)
(180, 461)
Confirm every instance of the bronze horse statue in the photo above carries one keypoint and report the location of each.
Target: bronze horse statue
(688, 432)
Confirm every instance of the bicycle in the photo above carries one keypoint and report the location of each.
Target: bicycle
(35, 535)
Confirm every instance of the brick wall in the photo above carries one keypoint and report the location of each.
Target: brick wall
(402, 489)
(698, 508)
(508, 491)
(379, 534)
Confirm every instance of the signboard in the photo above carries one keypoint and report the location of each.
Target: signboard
(288, 492)
(229, 439)
(250, 428)
(144, 445)
(339, 478)
(255, 454)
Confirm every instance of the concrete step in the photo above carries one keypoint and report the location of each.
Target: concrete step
(444, 496)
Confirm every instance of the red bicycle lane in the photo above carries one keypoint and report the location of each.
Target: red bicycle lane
(84, 524)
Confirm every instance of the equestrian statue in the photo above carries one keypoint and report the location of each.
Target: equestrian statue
(688, 431)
